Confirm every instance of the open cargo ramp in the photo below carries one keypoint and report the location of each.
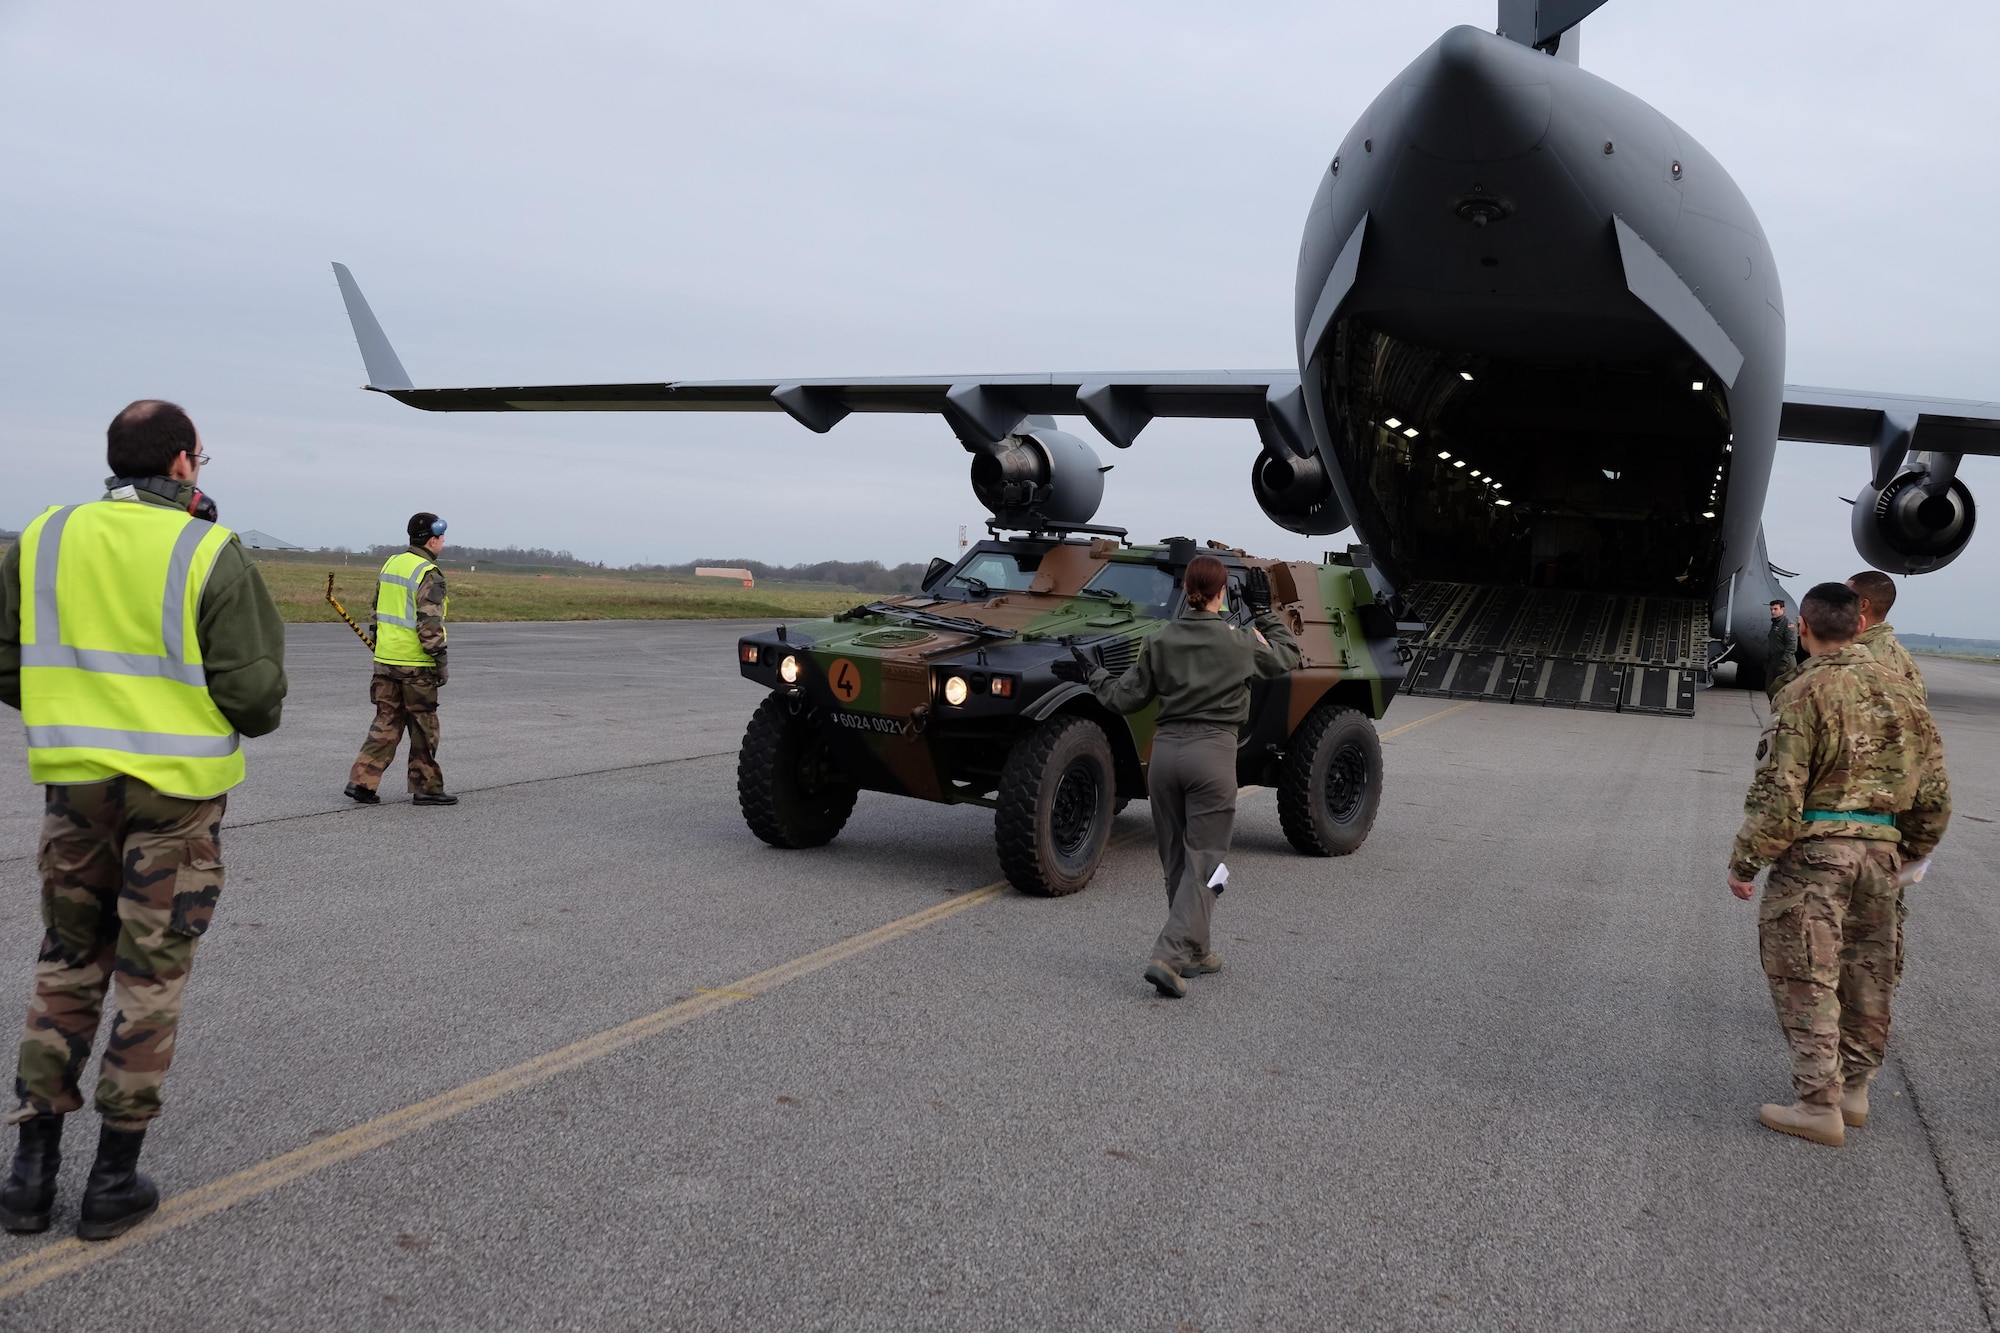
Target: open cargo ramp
(1558, 648)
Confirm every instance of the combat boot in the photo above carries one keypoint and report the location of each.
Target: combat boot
(366, 795)
(433, 798)
(1821, 1124)
(117, 1197)
(30, 1193)
(1854, 1105)
(1166, 981)
(1202, 966)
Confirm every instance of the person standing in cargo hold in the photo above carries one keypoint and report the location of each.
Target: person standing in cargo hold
(410, 667)
(140, 645)
(1199, 668)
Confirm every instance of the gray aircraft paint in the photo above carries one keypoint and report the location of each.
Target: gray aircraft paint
(1622, 233)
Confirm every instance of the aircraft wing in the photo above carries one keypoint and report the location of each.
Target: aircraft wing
(979, 408)
(1935, 425)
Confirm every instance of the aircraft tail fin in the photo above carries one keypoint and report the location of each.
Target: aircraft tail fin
(385, 370)
(1542, 23)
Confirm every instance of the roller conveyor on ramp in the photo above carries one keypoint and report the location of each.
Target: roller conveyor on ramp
(1558, 648)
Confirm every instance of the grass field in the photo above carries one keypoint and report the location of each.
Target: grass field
(297, 581)
(299, 588)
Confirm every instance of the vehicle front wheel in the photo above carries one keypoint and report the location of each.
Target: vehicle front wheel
(1054, 816)
(792, 791)
(1331, 784)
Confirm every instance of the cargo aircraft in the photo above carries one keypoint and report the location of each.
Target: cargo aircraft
(1541, 355)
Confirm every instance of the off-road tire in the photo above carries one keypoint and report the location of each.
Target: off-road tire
(1054, 817)
(791, 790)
(1331, 784)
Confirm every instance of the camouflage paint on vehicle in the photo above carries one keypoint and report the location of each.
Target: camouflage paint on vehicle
(874, 678)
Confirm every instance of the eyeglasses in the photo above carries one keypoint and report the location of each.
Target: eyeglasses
(200, 460)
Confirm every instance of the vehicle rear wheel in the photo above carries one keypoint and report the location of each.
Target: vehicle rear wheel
(1054, 816)
(1331, 784)
(792, 790)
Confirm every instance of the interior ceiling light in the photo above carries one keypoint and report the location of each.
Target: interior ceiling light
(1496, 485)
(1696, 386)
(1465, 375)
(1392, 423)
(1503, 502)
(1708, 513)
(1444, 453)
(1411, 432)
(1459, 463)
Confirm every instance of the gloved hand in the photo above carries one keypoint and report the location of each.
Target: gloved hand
(1078, 667)
(1257, 591)
(443, 668)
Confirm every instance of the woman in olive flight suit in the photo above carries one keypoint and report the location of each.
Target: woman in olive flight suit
(1199, 667)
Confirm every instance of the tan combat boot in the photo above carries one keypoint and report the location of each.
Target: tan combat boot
(1821, 1124)
(1202, 966)
(1854, 1105)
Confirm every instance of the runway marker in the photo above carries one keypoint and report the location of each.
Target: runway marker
(1428, 718)
(62, 1257)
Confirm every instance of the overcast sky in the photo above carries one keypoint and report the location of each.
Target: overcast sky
(601, 192)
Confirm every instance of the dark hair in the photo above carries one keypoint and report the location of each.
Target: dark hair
(146, 438)
(420, 528)
(1204, 578)
(1777, 601)
(1877, 587)
(1832, 611)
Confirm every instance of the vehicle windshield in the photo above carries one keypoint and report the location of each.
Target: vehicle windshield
(1150, 586)
(985, 572)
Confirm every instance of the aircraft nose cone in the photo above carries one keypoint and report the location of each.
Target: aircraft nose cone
(1476, 97)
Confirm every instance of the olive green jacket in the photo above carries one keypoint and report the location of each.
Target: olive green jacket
(1200, 667)
(242, 639)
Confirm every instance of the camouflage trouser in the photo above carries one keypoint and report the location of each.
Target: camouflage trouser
(404, 698)
(1830, 930)
(129, 882)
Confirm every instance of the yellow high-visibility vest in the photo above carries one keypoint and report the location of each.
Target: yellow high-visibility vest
(396, 611)
(112, 680)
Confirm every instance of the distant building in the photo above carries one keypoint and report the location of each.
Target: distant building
(720, 572)
(264, 541)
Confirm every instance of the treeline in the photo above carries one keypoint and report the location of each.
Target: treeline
(866, 575)
(503, 555)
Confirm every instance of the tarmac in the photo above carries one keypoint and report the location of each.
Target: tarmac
(582, 1053)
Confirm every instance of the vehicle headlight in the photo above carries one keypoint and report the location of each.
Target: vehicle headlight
(955, 690)
(788, 670)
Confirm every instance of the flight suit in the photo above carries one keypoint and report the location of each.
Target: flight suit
(1199, 667)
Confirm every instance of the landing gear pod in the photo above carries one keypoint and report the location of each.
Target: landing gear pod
(1039, 473)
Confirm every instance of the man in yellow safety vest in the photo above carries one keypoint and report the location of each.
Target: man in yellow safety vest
(410, 666)
(140, 645)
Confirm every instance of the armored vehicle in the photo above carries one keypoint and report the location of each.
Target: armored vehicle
(949, 695)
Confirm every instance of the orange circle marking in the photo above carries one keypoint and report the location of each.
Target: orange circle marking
(845, 678)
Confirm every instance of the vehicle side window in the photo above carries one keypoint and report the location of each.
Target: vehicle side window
(1149, 586)
(996, 571)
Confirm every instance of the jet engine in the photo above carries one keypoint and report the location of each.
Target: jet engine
(1919, 522)
(1296, 494)
(1039, 475)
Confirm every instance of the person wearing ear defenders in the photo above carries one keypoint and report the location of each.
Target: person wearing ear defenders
(410, 667)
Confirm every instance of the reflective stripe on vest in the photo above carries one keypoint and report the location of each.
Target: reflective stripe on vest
(112, 680)
(396, 641)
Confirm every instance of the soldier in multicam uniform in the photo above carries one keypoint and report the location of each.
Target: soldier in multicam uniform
(410, 668)
(1781, 652)
(1877, 592)
(1850, 782)
(133, 709)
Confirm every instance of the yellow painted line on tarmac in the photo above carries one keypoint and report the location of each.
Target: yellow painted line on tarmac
(1428, 718)
(67, 1256)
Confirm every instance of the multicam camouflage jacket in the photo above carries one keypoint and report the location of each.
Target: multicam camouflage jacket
(1882, 645)
(1847, 734)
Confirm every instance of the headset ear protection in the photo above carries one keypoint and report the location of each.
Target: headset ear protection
(438, 526)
